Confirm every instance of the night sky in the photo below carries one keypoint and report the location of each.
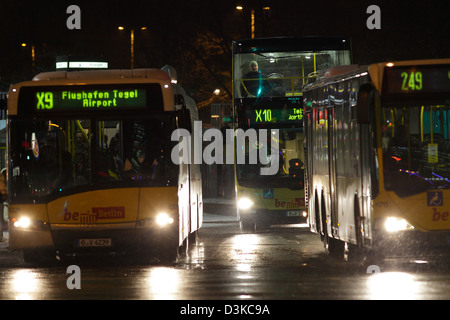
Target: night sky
(195, 36)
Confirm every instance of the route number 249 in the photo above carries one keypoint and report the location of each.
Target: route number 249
(412, 81)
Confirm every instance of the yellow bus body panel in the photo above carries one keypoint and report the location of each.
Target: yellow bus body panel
(281, 199)
(158, 200)
(415, 209)
(96, 207)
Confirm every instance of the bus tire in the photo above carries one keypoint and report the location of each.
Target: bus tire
(247, 226)
(335, 248)
(193, 238)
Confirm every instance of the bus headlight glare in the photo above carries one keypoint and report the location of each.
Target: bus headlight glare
(394, 224)
(163, 219)
(22, 222)
(245, 203)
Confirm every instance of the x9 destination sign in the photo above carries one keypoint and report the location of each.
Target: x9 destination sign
(90, 98)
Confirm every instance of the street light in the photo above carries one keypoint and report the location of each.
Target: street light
(33, 56)
(265, 8)
(131, 43)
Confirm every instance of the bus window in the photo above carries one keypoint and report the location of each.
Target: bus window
(414, 145)
(41, 161)
(289, 173)
(276, 74)
(55, 156)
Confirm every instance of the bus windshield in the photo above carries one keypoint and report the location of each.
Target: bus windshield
(279, 74)
(288, 174)
(53, 157)
(416, 145)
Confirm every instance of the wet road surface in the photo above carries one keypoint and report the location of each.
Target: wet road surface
(281, 263)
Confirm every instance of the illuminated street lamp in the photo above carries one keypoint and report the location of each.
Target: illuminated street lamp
(131, 43)
(265, 8)
(33, 56)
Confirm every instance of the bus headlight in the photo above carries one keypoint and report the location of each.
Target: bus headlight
(245, 203)
(395, 224)
(22, 222)
(163, 219)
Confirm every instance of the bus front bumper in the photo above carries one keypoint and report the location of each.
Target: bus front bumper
(274, 217)
(117, 237)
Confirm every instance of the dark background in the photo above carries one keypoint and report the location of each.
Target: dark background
(195, 36)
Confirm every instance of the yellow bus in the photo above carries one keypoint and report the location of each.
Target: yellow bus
(90, 165)
(268, 76)
(378, 150)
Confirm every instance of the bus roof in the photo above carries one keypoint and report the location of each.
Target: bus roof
(375, 71)
(149, 73)
(277, 44)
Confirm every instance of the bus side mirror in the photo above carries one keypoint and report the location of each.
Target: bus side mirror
(365, 103)
(183, 114)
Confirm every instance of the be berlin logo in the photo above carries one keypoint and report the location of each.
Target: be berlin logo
(189, 147)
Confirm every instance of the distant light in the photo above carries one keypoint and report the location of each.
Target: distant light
(389, 64)
(216, 92)
(143, 28)
(82, 65)
(239, 8)
(61, 65)
(266, 8)
(121, 28)
(166, 86)
(23, 44)
(343, 40)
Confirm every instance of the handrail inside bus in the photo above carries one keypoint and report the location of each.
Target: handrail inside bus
(78, 123)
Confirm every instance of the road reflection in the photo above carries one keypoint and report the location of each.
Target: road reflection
(24, 284)
(164, 283)
(394, 285)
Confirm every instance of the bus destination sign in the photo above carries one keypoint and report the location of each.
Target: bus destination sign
(117, 98)
(274, 115)
(417, 79)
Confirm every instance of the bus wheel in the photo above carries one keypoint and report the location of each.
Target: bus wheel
(334, 247)
(354, 253)
(247, 225)
(193, 238)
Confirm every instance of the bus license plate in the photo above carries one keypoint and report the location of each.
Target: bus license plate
(293, 214)
(94, 242)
